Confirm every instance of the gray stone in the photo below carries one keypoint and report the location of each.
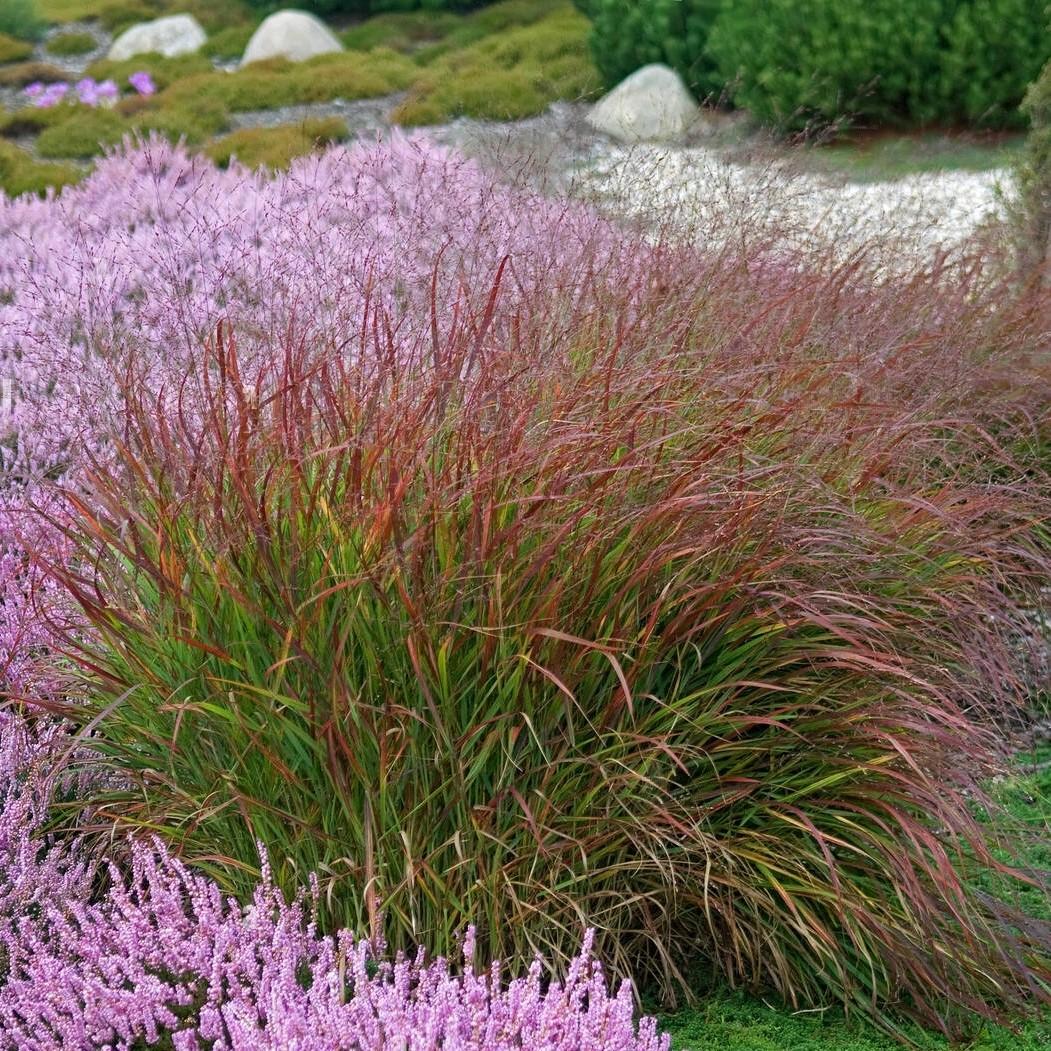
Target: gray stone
(173, 35)
(294, 35)
(652, 105)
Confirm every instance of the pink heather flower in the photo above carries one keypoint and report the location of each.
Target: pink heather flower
(34, 90)
(52, 95)
(142, 82)
(88, 91)
(108, 92)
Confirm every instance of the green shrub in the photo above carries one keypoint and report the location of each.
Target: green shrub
(506, 76)
(994, 50)
(23, 73)
(71, 44)
(118, 15)
(276, 148)
(82, 133)
(1034, 177)
(795, 63)
(14, 50)
(20, 173)
(628, 34)
(364, 8)
(401, 32)
(20, 18)
(802, 63)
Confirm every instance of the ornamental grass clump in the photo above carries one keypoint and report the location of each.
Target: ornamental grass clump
(147, 953)
(501, 565)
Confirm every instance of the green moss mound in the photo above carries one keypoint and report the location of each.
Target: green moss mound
(20, 173)
(71, 44)
(14, 50)
(276, 148)
(22, 73)
(82, 133)
(506, 76)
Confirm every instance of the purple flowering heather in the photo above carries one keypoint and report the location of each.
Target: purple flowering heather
(162, 954)
(157, 246)
(142, 82)
(88, 91)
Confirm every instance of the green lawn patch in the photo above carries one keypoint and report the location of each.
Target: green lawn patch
(892, 156)
(737, 1022)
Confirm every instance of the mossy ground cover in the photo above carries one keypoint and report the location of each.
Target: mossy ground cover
(14, 50)
(277, 147)
(71, 44)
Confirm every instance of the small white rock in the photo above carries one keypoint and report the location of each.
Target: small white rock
(173, 35)
(652, 105)
(294, 35)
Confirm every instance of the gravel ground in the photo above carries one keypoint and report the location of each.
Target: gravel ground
(696, 186)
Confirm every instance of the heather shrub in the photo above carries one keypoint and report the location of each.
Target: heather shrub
(14, 50)
(20, 19)
(276, 148)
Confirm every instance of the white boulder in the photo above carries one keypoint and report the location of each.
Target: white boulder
(294, 35)
(173, 35)
(652, 105)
